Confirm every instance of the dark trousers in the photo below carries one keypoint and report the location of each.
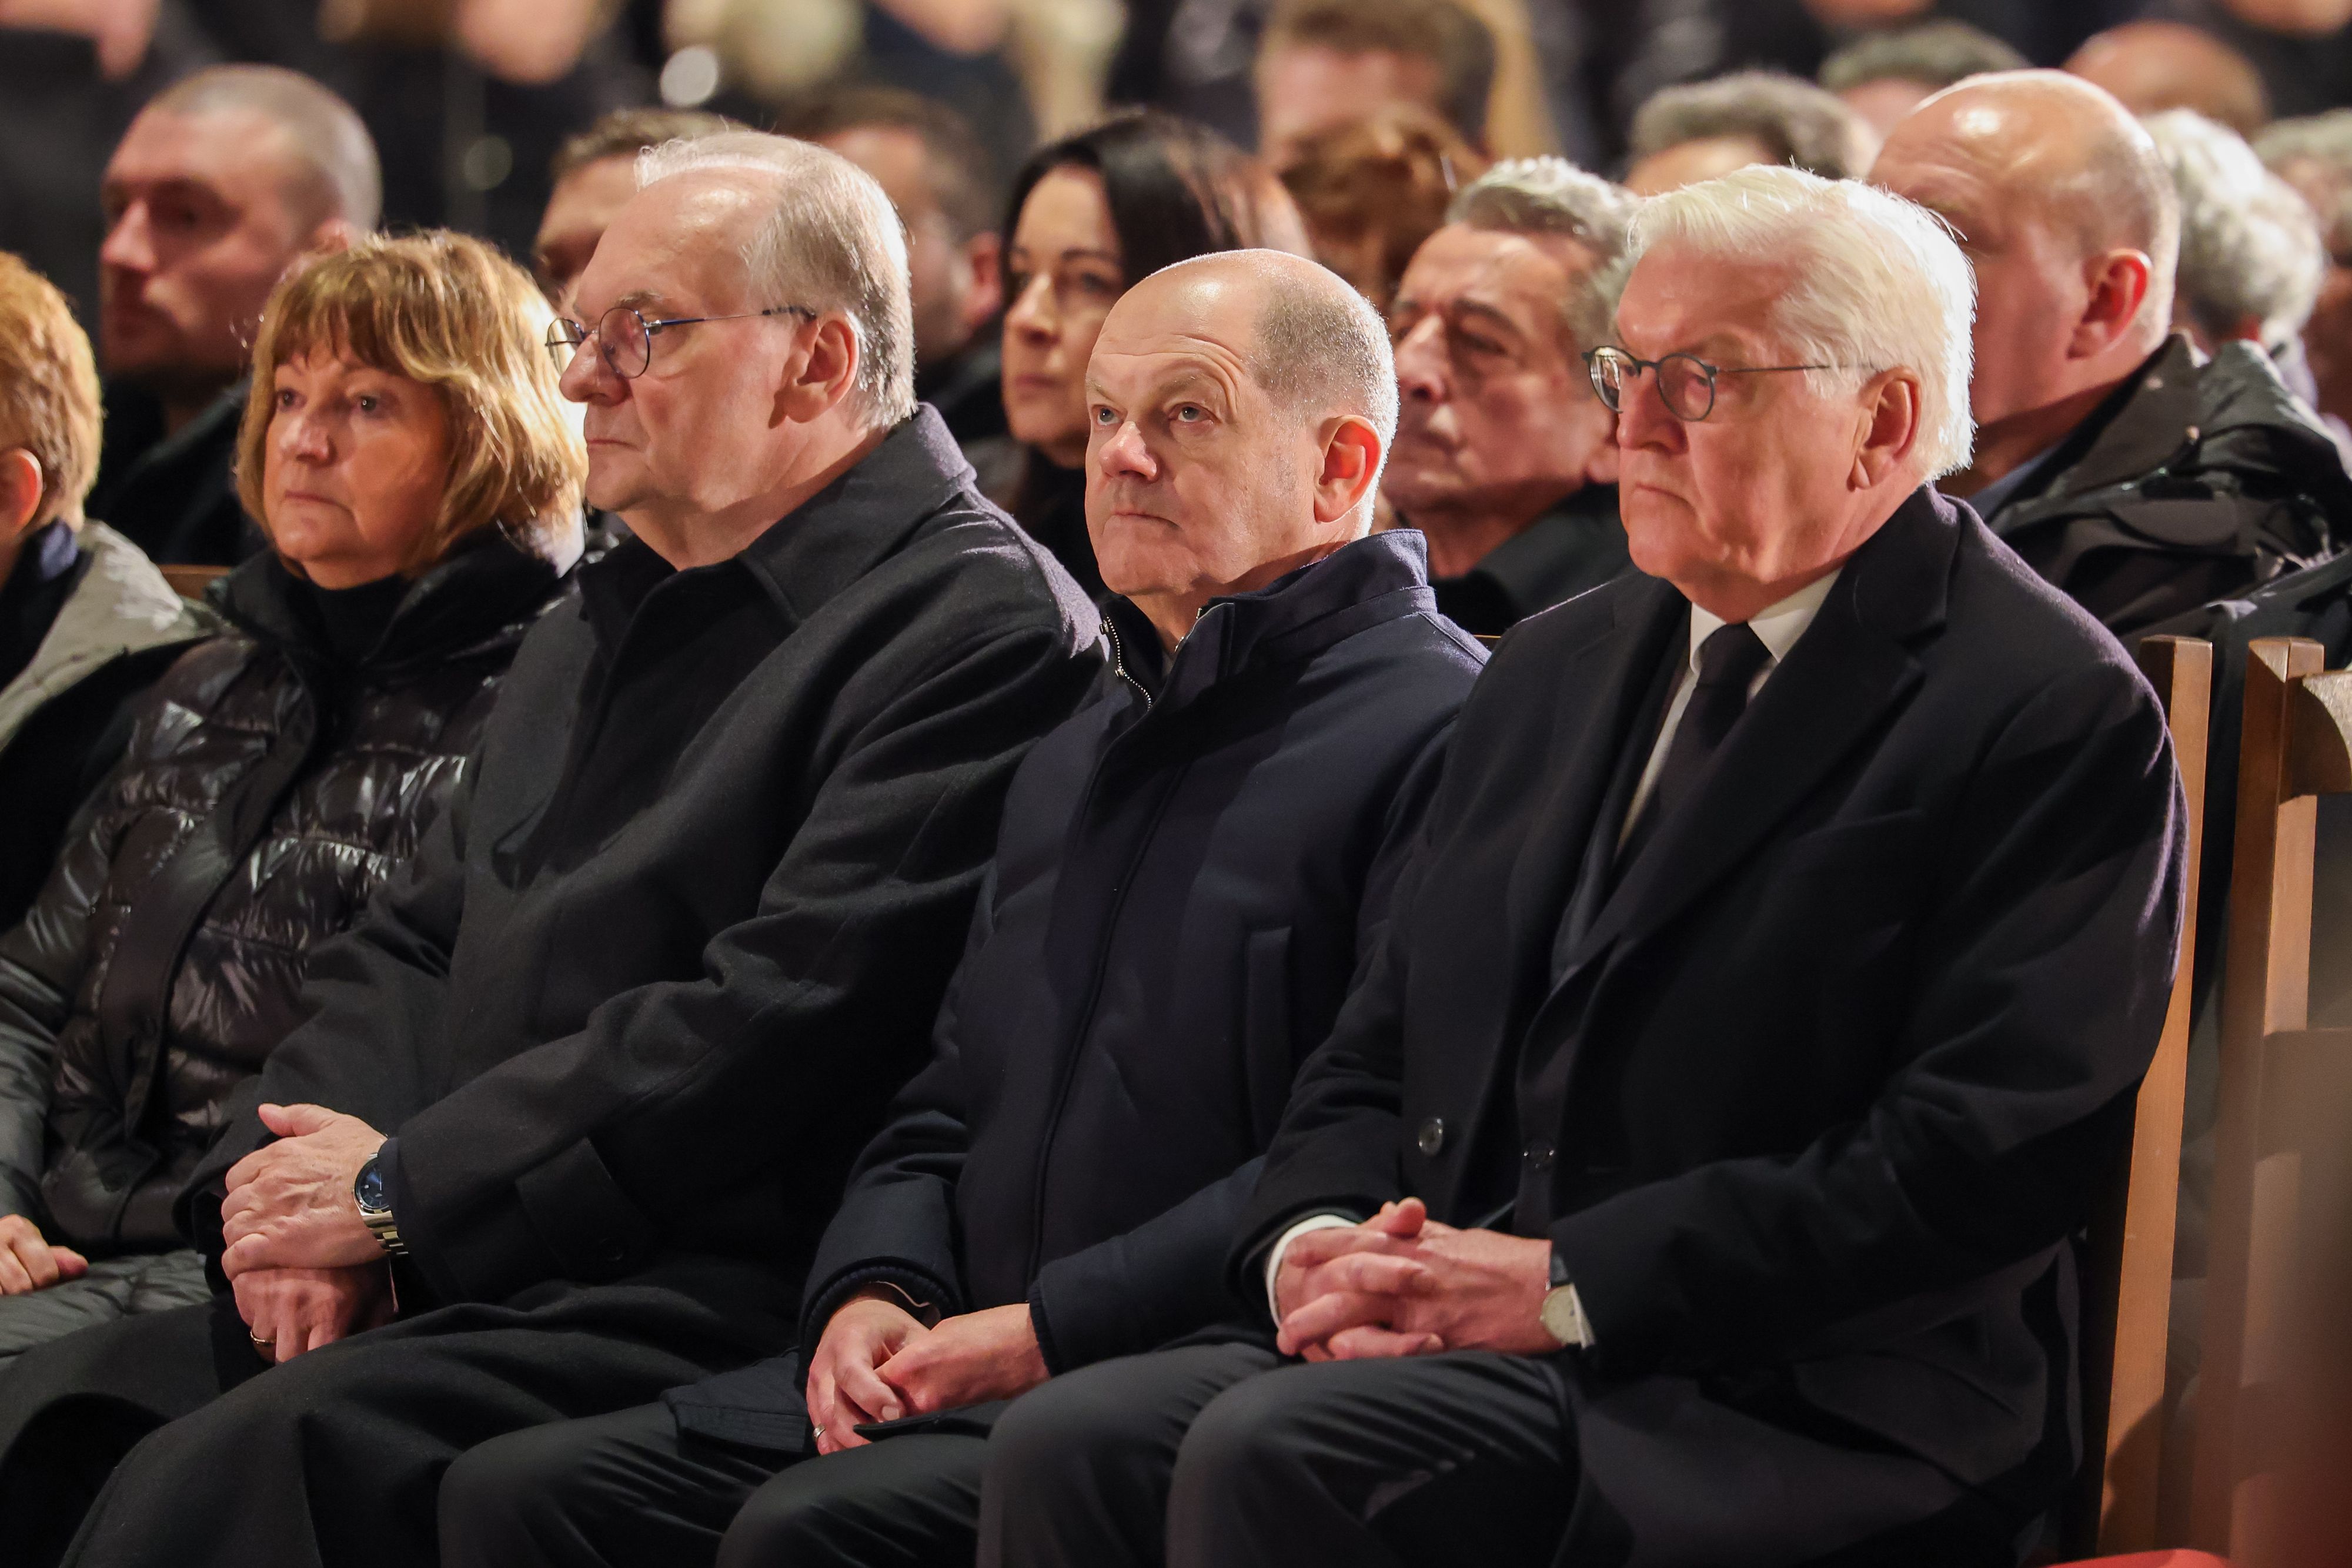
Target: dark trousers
(629, 1491)
(333, 1459)
(1224, 1455)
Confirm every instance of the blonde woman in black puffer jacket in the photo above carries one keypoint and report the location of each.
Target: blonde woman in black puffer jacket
(419, 477)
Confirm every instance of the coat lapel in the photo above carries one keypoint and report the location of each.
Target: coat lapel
(1852, 667)
(1607, 679)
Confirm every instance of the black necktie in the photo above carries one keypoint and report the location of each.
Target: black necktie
(1728, 662)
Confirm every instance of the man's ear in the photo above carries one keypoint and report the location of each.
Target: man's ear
(821, 370)
(20, 492)
(334, 235)
(1890, 427)
(1351, 467)
(983, 255)
(2118, 282)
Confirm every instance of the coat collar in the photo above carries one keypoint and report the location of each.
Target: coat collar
(1853, 664)
(1375, 578)
(838, 535)
(121, 605)
(486, 592)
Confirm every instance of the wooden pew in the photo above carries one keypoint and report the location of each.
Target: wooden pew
(2127, 1271)
(190, 581)
(2297, 746)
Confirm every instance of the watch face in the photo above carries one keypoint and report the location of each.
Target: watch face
(369, 1188)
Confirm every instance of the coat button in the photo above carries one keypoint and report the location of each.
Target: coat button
(1432, 1136)
(1539, 1155)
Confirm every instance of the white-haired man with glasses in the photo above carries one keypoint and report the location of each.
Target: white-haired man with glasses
(1691, 1175)
(591, 1076)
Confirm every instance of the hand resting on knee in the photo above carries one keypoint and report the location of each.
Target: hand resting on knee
(29, 1263)
(877, 1362)
(1403, 1284)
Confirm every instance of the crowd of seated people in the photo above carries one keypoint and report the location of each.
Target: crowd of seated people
(1368, 854)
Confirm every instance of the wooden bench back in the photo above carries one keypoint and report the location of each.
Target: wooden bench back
(2127, 1270)
(2297, 745)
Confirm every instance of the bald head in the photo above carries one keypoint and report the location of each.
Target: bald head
(2059, 147)
(1316, 345)
(1239, 408)
(2151, 66)
(2067, 215)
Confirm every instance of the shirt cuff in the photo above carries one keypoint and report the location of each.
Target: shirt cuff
(1282, 1244)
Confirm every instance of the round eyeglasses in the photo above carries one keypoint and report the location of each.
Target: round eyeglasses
(1685, 383)
(625, 338)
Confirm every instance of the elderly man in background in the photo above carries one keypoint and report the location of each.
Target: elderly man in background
(594, 175)
(1684, 134)
(86, 622)
(1884, 76)
(222, 183)
(1505, 458)
(2315, 156)
(1212, 838)
(583, 1088)
(2126, 468)
(937, 173)
(1692, 1173)
(2251, 257)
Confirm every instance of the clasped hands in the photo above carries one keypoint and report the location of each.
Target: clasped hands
(877, 1362)
(306, 1269)
(1403, 1284)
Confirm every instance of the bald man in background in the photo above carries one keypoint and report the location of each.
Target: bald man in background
(219, 186)
(2128, 469)
(1188, 873)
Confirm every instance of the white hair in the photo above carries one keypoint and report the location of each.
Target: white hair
(1879, 283)
(833, 242)
(1552, 196)
(2250, 245)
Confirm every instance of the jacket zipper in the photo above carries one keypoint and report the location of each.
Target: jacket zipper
(1119, 662)
(1066, 1071)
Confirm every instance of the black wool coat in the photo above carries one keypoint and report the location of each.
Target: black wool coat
(270, 785)
(1812, 1104)
(660, 967)
(1188, 875)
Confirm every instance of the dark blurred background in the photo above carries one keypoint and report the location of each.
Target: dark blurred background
(470, 98)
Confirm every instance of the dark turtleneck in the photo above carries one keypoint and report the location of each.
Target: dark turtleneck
(352, 621)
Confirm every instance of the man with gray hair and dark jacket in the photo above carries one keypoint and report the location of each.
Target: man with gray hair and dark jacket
(1505, 459)
(577, 1094)
(1190, 872)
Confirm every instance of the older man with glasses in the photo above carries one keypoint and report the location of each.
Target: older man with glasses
(586, 1084)
(1691, 1175)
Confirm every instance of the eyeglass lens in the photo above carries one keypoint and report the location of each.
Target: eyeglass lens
(620, 336)
(1684, 386)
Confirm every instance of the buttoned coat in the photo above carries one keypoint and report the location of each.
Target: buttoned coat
(653, 975)
(1812, 1106)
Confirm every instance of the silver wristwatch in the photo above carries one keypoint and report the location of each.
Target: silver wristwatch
(376, 1210)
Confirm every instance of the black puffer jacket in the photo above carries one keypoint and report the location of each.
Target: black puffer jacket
(276, 776)
(2199, 479)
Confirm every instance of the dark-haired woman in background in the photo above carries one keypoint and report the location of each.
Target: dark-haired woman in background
(1092, 215)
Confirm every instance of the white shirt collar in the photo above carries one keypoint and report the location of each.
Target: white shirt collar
(1778, 627)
